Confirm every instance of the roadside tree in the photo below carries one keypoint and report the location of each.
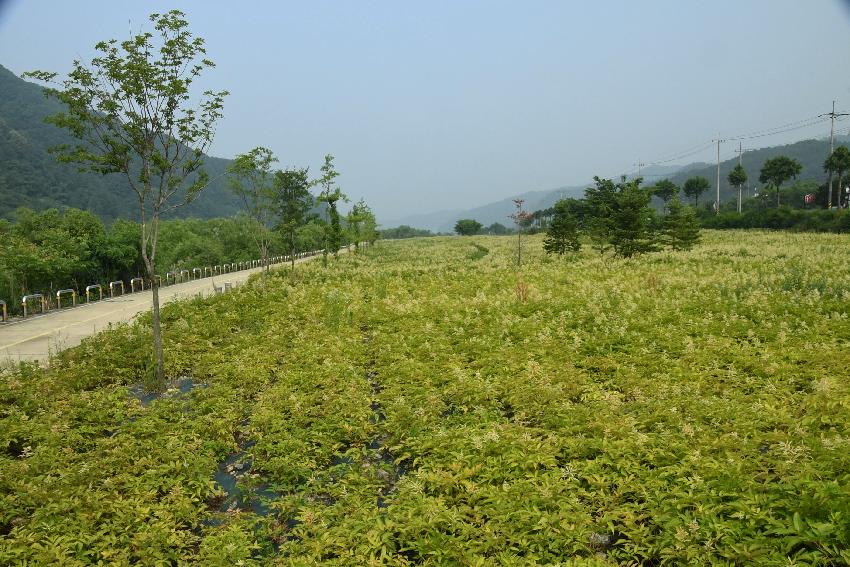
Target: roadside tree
(777, 171)
(292, 202)
(134, 113)
(251, 179)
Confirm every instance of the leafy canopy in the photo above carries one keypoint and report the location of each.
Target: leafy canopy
(738, 176)
(777, 171)
(665, 190)
(696, 186)
(468, 227)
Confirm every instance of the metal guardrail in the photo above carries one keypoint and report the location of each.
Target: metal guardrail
(133, 283)
(38, 296)
(89, 289)
(62, 292)
(172, 277)
(113, 285)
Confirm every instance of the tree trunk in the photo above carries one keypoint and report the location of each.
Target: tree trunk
(157, 332)
(519, 247)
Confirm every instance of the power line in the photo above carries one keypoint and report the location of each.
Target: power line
(832, 116)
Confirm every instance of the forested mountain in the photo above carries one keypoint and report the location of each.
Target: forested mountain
(810, 153)
(31, 177)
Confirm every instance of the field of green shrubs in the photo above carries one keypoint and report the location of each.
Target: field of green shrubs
(426, 402)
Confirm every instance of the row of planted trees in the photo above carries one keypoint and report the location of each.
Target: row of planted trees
(278, 203)
(135, 111)
(774, 173)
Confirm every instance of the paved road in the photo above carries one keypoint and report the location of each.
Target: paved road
(36, 337)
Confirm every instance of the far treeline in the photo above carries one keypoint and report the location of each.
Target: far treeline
(803, 205)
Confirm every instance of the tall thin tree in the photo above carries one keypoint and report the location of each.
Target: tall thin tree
(251, 178)
(132, 110)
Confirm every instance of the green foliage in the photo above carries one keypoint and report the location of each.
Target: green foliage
(562, 236)
(131, 113)
(681, 228)
(632, 230)
(251, 178)
(292, 202)
(404, 231)
(783, 218)
(331, 194)
(777, 171)
(361, 224)
(403, 407)
(50, 250)
(31, 178)
(468, 227)
(738, 176)
(497, 229)
(665, 190)
(694, 187)
(838, 163)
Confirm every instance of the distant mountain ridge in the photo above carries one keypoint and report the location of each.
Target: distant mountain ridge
(31, 177)
(810, 153)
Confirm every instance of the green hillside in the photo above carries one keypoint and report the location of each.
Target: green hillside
(810, 153)
(30, 177)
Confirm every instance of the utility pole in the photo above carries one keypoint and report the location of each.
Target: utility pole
(639, 165)
(740, 151)
(717, 200)
(832, 115)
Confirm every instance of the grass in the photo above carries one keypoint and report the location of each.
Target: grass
(408, 405)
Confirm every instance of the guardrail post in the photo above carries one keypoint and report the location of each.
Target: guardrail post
(216, 270)
(182, 277)
(196, 273)
(133, 283)
(59, 294)
(173, 275)
(38, 296)
(113, 285)
(89, 290)
(3, 311)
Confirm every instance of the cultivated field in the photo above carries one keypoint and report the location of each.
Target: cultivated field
(423, 402)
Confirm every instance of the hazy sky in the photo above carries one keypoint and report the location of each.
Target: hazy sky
(451, 104)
